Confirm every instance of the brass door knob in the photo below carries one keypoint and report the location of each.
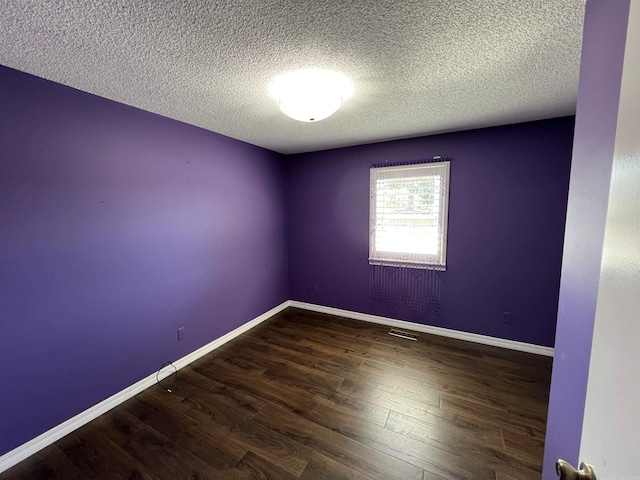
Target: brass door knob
(567, 472)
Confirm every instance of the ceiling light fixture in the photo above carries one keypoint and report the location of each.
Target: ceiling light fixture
(312, 94)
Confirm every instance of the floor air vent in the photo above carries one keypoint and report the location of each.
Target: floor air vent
(405, 335)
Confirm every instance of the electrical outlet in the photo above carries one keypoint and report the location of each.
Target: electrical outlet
(181, 333)
(506, 317)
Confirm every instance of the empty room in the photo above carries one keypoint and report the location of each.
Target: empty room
(319, 240)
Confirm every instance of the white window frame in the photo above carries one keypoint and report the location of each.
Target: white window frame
(397, 257)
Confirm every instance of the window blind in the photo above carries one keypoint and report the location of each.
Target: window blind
(408, 215)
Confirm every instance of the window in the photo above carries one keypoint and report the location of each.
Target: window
(408, 215)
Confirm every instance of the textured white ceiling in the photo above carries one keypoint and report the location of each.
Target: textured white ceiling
(420, 67)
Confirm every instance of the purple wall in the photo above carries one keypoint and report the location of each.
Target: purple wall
(595, 130)
(118, 226)
(506, 224)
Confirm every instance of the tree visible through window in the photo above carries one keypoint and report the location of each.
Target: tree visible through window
(408, 209)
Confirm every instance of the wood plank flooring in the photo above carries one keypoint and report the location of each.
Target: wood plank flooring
(312, 396)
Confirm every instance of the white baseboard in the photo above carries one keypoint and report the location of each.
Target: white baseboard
(419, 327)
(25, 450)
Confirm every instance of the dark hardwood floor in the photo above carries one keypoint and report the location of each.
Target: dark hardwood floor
(312, 396)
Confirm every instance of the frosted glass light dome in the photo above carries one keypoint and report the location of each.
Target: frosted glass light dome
(310, 95)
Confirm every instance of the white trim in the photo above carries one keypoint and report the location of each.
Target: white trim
(419, 327)
(25, 450)
(195, 355)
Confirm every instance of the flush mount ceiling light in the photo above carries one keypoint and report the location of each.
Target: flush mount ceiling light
(310, 95)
